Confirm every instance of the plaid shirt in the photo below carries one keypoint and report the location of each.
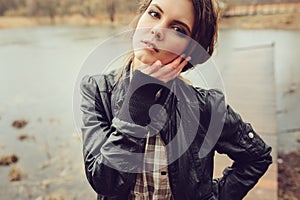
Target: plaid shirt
(153, 183)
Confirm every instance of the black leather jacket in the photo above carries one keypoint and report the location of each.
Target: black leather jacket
(191, 174)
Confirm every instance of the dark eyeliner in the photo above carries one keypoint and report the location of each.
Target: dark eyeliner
(181, 32)
(152, 11)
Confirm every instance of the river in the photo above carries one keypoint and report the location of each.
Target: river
(38, 71)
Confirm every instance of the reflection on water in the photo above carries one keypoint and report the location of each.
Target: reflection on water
(38, 71)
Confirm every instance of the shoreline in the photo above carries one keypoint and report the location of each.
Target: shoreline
(13, 22)
(286, 21)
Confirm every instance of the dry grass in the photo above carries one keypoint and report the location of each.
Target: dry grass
(288, 21)
(289, 176)
(8, 22)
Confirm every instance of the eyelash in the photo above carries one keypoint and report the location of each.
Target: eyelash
(181, 31)
(151, 12)
(154, 14)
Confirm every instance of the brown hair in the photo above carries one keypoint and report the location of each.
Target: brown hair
(205, 29)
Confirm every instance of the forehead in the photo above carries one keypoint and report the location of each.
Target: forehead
(182, 10)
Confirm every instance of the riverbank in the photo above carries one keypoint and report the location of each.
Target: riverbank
(288, 21)
(289, 175)
(10, 22)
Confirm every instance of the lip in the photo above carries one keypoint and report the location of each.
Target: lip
(150, 45)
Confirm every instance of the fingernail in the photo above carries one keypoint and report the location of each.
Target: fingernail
(158, 62)
(188, 58)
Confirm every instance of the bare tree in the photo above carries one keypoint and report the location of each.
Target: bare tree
(50, 8)
(111, 9)
(11, 5)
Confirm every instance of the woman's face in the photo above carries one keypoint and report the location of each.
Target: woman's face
(161, 33)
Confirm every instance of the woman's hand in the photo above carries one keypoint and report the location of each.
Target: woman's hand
(166, 72)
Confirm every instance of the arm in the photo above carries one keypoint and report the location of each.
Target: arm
(99, 136)
(110, 144)
(243, 145)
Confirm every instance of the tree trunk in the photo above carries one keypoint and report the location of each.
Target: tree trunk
(111, 10)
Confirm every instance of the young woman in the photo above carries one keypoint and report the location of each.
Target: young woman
(168, 153)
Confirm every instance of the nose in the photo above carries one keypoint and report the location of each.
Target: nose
(157, 33)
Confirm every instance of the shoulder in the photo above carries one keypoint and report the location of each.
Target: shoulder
(205, 97)
(210, 96)
(102, 82)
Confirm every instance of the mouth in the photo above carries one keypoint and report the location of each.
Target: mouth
(150, 45)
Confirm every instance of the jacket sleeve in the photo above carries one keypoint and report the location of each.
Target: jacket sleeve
(251, 156)
(112, 148)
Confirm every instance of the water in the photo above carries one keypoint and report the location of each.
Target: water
(286, 72)
(38, 71)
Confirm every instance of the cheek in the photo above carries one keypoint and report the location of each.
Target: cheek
(167, 57)
(143, 21)
(136, 38)
(140, 33)
(134, 41)
(176, 45)
(173, 49)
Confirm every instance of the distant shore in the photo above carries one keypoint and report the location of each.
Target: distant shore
(9, 22)
(288, 21)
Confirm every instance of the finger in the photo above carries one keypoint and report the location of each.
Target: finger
(169, 71)
(155, 67)
(170, 76)
(176, 72)
(177, 61)
(175, 66)
(183, 64)
(152, 68)
(168, 68)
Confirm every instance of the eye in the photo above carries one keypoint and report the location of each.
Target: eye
(179, 30)
(153, 13)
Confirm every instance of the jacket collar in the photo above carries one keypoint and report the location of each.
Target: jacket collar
(120, 87)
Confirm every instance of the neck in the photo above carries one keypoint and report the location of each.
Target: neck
(136, 64)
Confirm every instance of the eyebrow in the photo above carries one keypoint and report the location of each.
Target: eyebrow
(183, 24)
(176, 21)
(159, 8)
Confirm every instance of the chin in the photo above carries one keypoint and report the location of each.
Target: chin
(145, 59)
